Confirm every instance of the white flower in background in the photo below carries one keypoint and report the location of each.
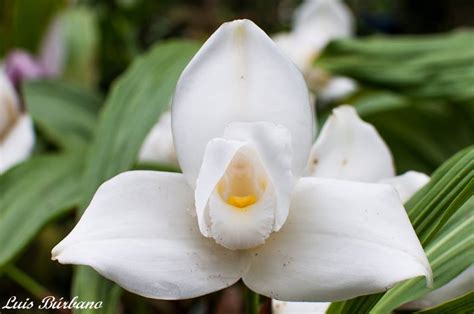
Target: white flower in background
(242, 126)
(16, 128)
(316, 23)
(158, 146)
(350, 149)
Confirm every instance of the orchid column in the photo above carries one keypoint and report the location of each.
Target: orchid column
(242, 126)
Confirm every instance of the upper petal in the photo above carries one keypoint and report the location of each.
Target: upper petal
(342, 239)
(239, 75)
(300, 50)
(139, 232)
(350, 149)
(407, 184)
(17, 144)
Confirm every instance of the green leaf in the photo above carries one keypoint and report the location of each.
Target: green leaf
(450, 253)
(421, 135)
(19, 17)
(422, 67)
(442, 214)
(65, 113)
(132, 108)
(32, 194)
(461, 305)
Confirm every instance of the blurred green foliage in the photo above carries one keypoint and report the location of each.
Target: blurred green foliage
(19, 17)
(417, 90)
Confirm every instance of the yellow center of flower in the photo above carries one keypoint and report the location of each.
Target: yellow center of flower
(242, 201)
(243, 184)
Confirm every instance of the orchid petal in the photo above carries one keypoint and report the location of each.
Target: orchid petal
(337, 88)
(342, 239)
(273, 144)
(53, 49)
(300, 50)
(219, 153)
(17, 144)
(407, 184)
(323, 20)
(239, 75)
(158, 145)
(21, 66)
(139, 232)
(350, 149)
(9, 103)
(242, 229)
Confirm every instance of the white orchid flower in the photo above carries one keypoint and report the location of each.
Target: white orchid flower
(16, 128)
(242, 126)
(316, 23)
(158, 146)
(350, 149)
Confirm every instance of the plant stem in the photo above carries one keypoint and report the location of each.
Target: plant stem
(25, 281)
(251, 302)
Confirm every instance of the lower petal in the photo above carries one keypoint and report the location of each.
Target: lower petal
(342, 239)
(140, 232)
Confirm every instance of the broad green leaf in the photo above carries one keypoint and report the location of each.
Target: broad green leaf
(418, 91)
(422, 67)
(461, 305)
(132, 108)
(450, 188)
(421, 135)
(66, 114)
(450, 253)
(443, 215)
(31, 195)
